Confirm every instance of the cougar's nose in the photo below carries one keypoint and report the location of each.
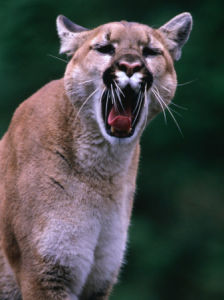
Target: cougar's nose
(129, 67)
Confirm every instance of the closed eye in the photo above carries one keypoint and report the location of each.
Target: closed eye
(151, 51)
(105, 49)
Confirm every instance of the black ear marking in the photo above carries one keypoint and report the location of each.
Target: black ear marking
(71, 35)
(69, 25)
(108, 35)
(183, 33)
(176, 33)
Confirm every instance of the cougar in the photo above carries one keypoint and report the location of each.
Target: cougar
(69, 159)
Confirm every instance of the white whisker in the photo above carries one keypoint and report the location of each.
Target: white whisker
(179, 106)
(161, 99)
(145, 100)
(138, 111)
(138, 100)
(53, 56)
(113, 99)
(119, 88)
(165, 88)
(160, 103)
(106, 108)
(85, 102)
(119, 99)
(101, 96)
(176, 112)
(86, 81)
(186, 83)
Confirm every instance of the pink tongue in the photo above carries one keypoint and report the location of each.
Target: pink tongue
(121, 122)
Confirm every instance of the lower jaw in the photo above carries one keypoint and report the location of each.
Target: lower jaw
(120, 134)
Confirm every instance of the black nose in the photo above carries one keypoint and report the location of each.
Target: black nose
(129, 67)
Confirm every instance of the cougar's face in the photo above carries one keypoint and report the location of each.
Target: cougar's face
(122, 76)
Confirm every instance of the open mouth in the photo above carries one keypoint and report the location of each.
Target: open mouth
(121, 110)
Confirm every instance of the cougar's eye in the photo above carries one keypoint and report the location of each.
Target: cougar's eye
(150, 51)
(106, 49)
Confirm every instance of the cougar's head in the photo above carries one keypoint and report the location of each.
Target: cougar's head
(121, 74)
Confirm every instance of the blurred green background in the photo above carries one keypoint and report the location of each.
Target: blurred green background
(176, 244)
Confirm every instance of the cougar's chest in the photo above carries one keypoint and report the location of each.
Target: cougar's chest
(90, 224)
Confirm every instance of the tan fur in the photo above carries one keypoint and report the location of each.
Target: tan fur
(66, 186)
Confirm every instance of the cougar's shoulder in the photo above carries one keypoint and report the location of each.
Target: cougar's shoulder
(39, 122)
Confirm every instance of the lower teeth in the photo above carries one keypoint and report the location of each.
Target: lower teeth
(113, 130)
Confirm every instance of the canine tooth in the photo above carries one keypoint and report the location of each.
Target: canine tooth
(130, 129)
(112, 129)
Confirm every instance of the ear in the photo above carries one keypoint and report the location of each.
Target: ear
(176, 33)
(71, 35)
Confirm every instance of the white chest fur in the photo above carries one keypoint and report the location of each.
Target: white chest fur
(89, 236)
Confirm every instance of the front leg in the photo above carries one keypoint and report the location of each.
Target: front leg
(53, 281)
(108, 260)
(100, 293)
(57, 265)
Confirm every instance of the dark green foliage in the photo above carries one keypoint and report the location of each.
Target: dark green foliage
(176, 248)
